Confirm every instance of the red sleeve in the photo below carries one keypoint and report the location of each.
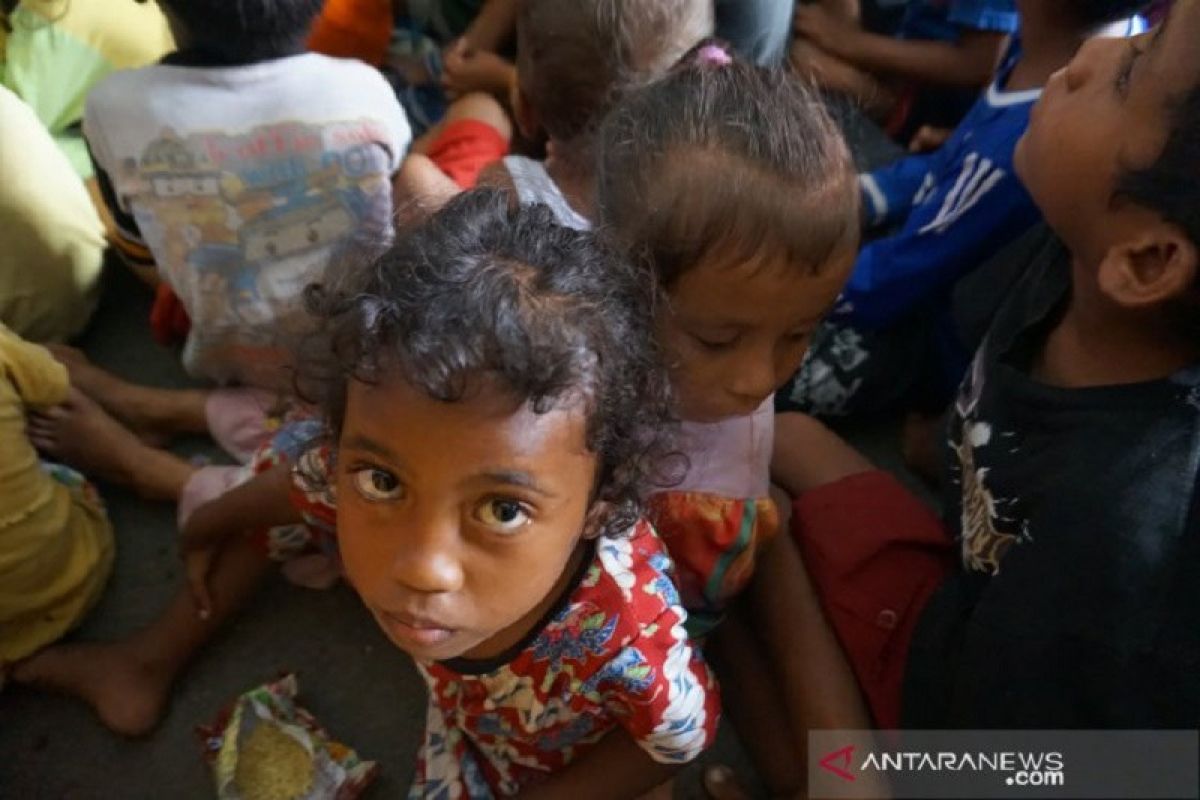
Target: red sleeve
(658, 684)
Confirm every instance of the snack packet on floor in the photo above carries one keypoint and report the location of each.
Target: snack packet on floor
(265, 747)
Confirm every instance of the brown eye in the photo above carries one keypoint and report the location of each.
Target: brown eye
(503, 514)
(377, 485)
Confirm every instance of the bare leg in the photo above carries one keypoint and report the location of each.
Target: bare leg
(80, 434)
(420, 187)
(128, 683)
(154, 414)
(808, 455)
(753, 703)
(721, 784)
(478, 106)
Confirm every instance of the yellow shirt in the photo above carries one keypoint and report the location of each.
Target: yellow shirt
(56, 544)
(51, 239)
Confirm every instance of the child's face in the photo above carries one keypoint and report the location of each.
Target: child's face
(735, 334)
(1104, 113)
(459, 524)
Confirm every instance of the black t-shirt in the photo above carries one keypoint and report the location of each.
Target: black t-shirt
(1076, 603)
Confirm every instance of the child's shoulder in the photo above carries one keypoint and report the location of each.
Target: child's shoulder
(180, 71)
(630, 579)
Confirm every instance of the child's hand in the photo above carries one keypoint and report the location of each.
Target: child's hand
(466, 70)
(818, 26)
(197, 565)
(199, 544)
(929, 138)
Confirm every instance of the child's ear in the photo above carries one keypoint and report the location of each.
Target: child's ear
(1157, 264)
(527, 120)
(597, 515)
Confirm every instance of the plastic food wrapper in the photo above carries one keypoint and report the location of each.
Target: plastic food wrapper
(265, 747)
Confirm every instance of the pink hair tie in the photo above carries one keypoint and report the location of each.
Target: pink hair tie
(714, 54)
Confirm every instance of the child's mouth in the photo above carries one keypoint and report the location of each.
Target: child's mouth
(414, 631)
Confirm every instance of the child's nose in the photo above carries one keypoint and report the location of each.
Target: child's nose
(754, 378)
(428, 560)
(1082, 68)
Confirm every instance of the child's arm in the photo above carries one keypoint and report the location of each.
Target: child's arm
(262, 502)
(493, 26)
(616, 767)
(970, 61)
(894, 275)
(420, 188)
(889, 193)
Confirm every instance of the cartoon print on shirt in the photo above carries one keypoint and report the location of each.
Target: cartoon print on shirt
(243, 221)
(987, 534)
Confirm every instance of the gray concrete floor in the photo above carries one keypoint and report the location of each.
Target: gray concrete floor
(359, 686)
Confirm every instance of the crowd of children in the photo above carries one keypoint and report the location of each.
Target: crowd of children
(542, 384)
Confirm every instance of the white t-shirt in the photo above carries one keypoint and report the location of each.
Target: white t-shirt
(242, 182)
(534, 185)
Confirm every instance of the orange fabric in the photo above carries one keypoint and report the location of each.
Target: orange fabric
(464, 148)
(359, 29)
(169, 322)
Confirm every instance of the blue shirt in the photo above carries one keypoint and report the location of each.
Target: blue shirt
(944, 20)
(957, 206)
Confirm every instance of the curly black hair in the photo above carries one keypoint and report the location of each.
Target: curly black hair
(487, 287)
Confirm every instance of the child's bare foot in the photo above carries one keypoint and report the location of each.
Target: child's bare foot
(82, 435)
(721, 784)
(127, 693)
(155, 415)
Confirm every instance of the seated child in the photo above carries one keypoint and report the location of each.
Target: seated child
(52, 53)
(574, 60)
(56, 544)
(487, 458)
(430, 50)
(1062, 592)
(892, 342)
(929, 72)
(693, 170)
(238, 166)
(53, 249)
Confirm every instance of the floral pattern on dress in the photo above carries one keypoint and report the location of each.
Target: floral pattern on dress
(616, 654)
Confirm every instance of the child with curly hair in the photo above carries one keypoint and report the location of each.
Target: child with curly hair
(494, 403)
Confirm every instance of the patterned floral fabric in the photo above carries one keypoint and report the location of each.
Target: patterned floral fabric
(615, 654)
(292, 442)
(714, 541)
